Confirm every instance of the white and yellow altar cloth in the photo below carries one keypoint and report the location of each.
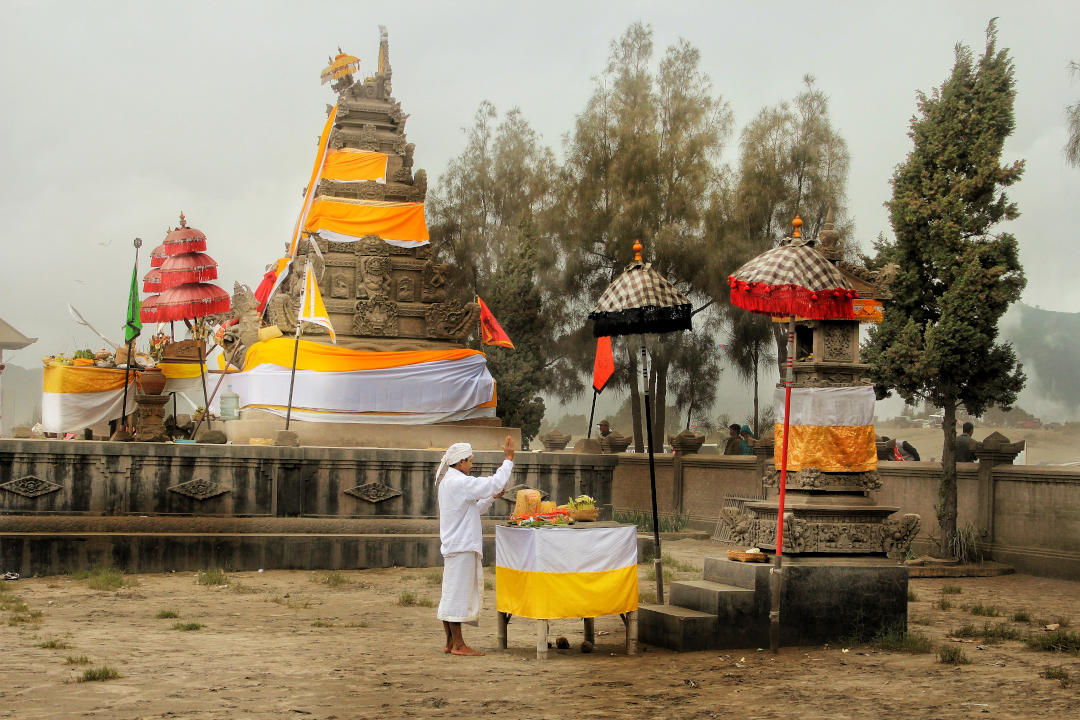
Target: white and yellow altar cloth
(832, 429)
(573, 572)
(75, 397)
(335, 384)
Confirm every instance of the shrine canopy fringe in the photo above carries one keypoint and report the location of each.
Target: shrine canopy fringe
(793, 279)
(397, 223)
(348, 165)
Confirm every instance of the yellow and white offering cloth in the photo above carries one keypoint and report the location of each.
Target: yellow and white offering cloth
(335, 384)
(549, 573)
(832, 429)
(73, 397)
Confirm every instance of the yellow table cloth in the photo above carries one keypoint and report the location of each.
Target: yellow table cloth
(572, 572)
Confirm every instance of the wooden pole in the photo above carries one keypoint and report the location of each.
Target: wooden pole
(776, 572)
(592, 413)
(292, 375)
(213, 394)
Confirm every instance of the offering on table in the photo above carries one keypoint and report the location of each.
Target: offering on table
(547, 506)
(582, 508)
(528, 503)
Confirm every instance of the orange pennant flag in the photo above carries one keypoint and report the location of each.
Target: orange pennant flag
(490, 331)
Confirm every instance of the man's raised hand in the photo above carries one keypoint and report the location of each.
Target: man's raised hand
(508, 448)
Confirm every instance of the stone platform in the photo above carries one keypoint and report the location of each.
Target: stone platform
(481, 433)
(147, 507)
(822, 600)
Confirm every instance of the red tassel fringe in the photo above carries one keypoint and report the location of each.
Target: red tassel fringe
(170, 279)
(786, 300)
(185, 246)
(193, 309)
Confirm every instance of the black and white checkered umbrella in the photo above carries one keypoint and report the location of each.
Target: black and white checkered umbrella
(640, 302)
(793, 279)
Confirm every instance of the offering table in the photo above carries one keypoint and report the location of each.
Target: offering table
(580, 571)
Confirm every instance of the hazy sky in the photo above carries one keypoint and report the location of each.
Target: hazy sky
(117, 116)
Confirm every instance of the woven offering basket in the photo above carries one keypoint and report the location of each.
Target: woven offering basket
(586, 515)
(740, 556)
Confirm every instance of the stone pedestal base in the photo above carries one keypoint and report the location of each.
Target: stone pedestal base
(150, 418)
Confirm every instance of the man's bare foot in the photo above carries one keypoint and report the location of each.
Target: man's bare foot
(446, 649)
(465, 650)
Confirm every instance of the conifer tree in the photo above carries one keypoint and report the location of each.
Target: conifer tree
(957, 274)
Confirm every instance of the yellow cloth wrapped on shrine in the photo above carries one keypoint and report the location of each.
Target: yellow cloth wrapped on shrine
(397, 223)
(549, 573)
(349, 165)
(73, 398)
(180, 371)
(832, 429)
(331, 358)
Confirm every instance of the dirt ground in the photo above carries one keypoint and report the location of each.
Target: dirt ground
(284, 644)
(1043, 447)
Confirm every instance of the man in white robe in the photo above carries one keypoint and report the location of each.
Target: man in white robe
(462, 499)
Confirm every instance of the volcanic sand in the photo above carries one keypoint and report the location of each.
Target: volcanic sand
(286, 644)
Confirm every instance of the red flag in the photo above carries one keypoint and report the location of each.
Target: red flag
(490, 331)
(604, 365)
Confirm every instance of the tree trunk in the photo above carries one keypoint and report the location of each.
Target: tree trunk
(780, 338)
(757, 433)
(946, 509)
(635, 396)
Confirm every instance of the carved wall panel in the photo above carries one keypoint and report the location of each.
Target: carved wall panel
(373, 277)
(434, 284)
(376, 317)
(837, 342)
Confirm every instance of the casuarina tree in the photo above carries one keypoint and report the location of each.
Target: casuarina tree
(957, 272)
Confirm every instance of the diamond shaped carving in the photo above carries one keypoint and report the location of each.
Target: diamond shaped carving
(30, 486)
(373, 492)
(199, 489)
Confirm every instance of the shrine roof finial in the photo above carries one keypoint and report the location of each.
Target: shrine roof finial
(638, 247)
(796, 223)
(183, 220)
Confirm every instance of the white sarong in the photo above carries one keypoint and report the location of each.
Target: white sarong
(462, 588)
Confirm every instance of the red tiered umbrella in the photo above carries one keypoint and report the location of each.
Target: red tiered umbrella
(157, 257)
(791, 280)
(152, 281)
(192, 300)
(184, 239)
(190, 267)
(148, 309)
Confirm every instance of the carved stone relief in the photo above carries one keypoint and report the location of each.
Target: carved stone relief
(30, 486)
(450, 320)
(376, 317)
(339, 285)
(373, 277)
(406, 292)
(373, 492)
(199, 489)
(837, 341)
(433, 288)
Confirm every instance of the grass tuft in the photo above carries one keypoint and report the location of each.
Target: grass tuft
(166, 614)
(668, 523)
(1062, 621)
(1021, 616)
(320, 623)
(187, 627)
(675, 564)
(54, 644)
(900, 641)
(951, 590)
(1001, 631)
(911, 596)
(357, 624)
(334, 578)
(1056, 641)
(98, 674)
(77, 660)
(984, 610)
(434, 577)
(965, 631)
(406, 599)
(943, 604)
(1057, 673)
(105, 578)
(213, 576)
(952, 655)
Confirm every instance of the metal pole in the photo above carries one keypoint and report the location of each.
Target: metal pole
(776, 572)
(657, 565)
(292, 375)
(213, 395)
(130, 348)
(592, 413)
(206, 398)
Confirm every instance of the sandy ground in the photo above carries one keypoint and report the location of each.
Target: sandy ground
(1044, 447)
(288, 645)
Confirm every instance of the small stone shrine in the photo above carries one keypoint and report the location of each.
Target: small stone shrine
(380, 296)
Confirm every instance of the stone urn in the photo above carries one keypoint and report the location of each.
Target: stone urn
(152, 381)
(686, 442)
(614, 443)
(554, 441)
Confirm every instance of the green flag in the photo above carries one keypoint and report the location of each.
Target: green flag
(133, 326)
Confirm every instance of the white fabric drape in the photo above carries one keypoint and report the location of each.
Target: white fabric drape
(829, 406)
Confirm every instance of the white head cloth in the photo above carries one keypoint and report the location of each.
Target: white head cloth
(454, 454)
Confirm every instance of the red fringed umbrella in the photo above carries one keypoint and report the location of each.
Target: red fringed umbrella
(793, 280)
(157, 257)
(184, 239)
(148, 309)
(152, 281)
(190, 267)
(192, 300)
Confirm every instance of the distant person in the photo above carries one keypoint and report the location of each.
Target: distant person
(734, 442)
(605, 428)
(745, 448)
(965, 444)
(905, 451)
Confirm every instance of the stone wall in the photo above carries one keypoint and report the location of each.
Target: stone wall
(1026, 516)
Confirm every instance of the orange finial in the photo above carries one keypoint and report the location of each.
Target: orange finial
(797, 222)
(183, 220)
(638, 247)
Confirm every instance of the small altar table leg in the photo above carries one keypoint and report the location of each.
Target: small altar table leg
(541, 639)
(503, 619)
(630, 621)
(589, 630)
